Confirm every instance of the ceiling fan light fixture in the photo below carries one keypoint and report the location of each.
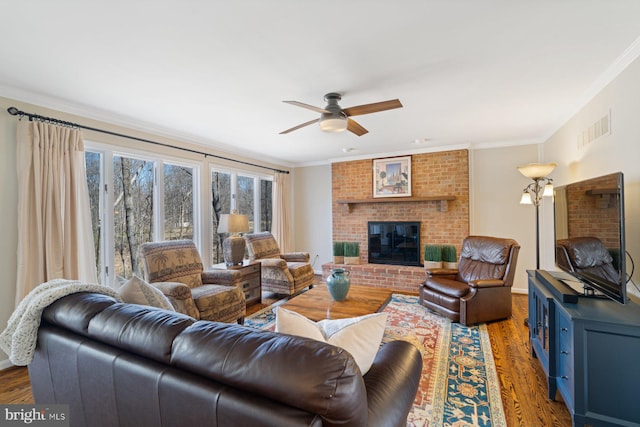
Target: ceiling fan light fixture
(335, 119)
(333, 122)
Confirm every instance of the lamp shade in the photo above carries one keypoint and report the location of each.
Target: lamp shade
(233, 223)
(333, 122)
(526, 199)
(537, 170)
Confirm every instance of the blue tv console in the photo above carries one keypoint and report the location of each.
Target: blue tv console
(589, 348)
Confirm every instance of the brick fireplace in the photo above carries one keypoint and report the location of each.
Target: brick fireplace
(439, 201)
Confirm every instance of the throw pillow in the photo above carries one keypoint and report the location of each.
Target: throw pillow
(137, 291)
(360, 336)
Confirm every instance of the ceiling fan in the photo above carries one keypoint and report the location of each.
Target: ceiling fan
(334, 118)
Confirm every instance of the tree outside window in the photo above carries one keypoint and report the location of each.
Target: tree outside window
(132, 212)
(178, 202)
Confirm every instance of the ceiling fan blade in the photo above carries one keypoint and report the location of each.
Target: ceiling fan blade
(307, 106)
(300, 126)
(355, 127)
(372, 108)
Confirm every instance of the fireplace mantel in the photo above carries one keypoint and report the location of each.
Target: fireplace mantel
(442, 199)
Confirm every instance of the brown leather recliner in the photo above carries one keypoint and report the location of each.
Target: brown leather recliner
(480, 289)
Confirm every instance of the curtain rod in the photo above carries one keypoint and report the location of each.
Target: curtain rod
(15, 112)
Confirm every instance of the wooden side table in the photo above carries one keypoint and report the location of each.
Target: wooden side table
(251, 279)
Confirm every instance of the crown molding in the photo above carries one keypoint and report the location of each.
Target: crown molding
(610, 74)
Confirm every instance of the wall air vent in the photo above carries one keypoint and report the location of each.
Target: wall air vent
(601, 127)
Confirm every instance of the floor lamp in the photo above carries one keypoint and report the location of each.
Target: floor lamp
(533, 194)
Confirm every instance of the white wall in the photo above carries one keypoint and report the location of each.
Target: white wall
(495, 190)
(619, 151)
(8, 218)
(312, 207)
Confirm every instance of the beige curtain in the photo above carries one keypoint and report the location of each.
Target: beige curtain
(282, 211)
(55, 238)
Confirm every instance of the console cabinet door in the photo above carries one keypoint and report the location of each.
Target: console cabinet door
(607, 373)
(541, 316)
(565, 359)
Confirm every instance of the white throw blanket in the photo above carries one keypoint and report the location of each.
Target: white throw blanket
(18, 340)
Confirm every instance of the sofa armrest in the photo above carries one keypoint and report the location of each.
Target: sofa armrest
(180, 297)
(222, 277)
(392, 383)
(486, 283)
(296, 256)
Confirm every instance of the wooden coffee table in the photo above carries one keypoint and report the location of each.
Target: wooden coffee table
(316, 304)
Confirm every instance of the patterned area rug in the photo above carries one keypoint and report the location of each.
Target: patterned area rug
(459, 384)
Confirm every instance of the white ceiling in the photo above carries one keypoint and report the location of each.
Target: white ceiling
(469, 72)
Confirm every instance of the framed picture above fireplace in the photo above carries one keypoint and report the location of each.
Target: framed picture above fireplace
(392, 177)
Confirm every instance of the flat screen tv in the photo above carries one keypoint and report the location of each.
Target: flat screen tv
(589, 235)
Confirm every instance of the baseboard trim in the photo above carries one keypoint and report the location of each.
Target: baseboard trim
(5, 364)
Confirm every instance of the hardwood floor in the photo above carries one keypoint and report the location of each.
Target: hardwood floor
(14, 386)
(522, 381)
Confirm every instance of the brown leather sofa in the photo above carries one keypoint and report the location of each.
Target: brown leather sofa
(480, 289)
(121, 364)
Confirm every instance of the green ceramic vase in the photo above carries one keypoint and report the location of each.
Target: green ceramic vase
(338, 284)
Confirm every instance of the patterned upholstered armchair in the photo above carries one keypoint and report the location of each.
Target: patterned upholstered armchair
(282, 273)
(175, 267)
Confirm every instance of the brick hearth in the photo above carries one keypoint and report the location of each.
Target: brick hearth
(396, 277)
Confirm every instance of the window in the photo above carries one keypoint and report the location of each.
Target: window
(266, 203)
(178, 202)
(93, 165)
(132, 211)
(245, 193)
(137, 197)
(221, 203)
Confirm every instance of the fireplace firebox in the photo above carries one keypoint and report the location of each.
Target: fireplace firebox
(393, 242)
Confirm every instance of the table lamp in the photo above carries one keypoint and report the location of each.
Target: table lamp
(233, 246)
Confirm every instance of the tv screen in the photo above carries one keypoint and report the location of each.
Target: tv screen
(589, 234)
